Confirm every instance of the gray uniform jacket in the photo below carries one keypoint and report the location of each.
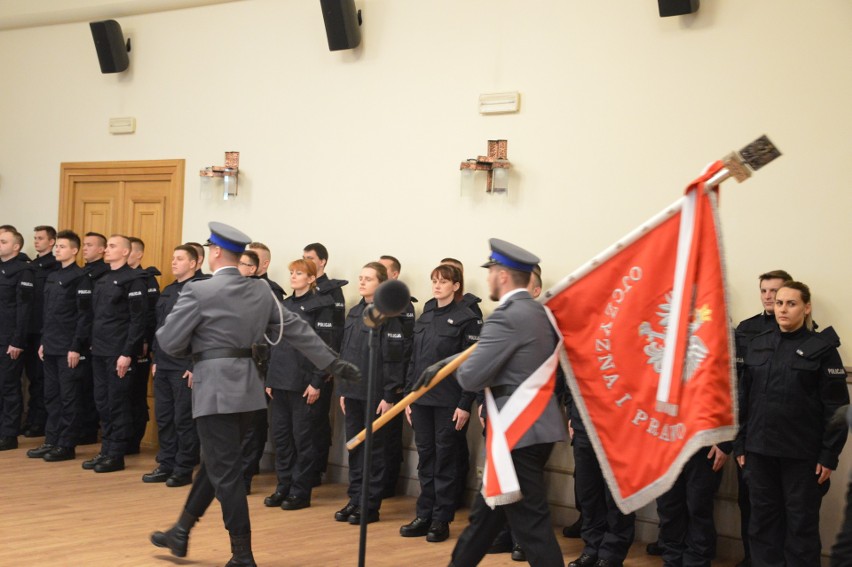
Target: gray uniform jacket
(515, 340)
(232, 311)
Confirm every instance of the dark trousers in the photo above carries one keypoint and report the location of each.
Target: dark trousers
(294, 422)
(113, 403)
(138, 393)
(89, 416)
(254, 443)
(841, 552)
(356, 414)
(529, 518)
(11, 396)
(606, 532)
(785, 502)
(462, 463)
(179, 445)
(745, 510)
(62, 400)
(34, 369)
(436, 440)
(322, 434)
(221, 472)
(393, 453)
(687, 530)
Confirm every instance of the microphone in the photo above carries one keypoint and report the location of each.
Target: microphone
(391, 299)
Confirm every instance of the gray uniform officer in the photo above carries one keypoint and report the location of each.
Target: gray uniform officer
(515, 341)
(218, 320)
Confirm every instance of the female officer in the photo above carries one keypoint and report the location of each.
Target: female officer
(293, 383)
(792, 384)
(353, 395)
(439, 417)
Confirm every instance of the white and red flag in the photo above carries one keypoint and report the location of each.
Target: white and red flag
(649, 349)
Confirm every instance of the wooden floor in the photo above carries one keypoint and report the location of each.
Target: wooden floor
(57, 515)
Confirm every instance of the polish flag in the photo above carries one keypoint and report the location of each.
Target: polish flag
(648, 347)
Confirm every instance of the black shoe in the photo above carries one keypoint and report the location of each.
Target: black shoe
(518, 553)
(438, 531)
(159, 474)
(60, 454)
(110, 464)
(241, 555)
(418, 527)
(585, 560)
(8, 443)
(177, 537)
(295, 503)
(343, 514)
(746, 562)
(654, 548)
(574, 530)
(607, 563)
(93, 462)
(34, 431)
(40, 451)
(275, 499)
(355, 517)
(178, 479)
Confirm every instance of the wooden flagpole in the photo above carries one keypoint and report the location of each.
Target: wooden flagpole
(412, 397)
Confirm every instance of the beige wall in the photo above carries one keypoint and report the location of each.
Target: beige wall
(360, 149)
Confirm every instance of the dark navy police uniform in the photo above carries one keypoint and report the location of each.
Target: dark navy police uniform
(791, 386)
(439, 333)
(16, 298)
(67, 328)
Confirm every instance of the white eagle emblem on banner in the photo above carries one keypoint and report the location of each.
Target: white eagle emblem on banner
(696, 350)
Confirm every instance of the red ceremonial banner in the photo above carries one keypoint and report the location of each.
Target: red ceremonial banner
(648, 345)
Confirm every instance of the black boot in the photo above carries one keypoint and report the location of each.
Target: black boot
(177, 537)
(241, 551)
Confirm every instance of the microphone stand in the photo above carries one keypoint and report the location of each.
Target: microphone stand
(368, 445)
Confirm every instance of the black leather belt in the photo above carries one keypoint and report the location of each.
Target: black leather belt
(503, 391)
(225, 352)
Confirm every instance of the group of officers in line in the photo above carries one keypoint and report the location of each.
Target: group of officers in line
(88, 338)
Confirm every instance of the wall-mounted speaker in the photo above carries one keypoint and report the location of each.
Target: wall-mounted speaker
(677, 7)
(109, 42)
(342, 24)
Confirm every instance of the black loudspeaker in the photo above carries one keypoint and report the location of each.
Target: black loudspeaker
(109, 41)
(342, 24)
(677, 7)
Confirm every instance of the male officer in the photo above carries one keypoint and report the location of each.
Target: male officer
(94, 244)
(64, 346)
(118, 328)
(749, 328)
(219, 320)
(264, 257)
(199, 249)
(177, 436)
(393, 430)
(318, 254)
(142, 364)
(44, 237)
(516, 341)
(16, 297)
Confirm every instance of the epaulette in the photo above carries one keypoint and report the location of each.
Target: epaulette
(153, 271)
(331, 285)
(13, 268)
(818, 344)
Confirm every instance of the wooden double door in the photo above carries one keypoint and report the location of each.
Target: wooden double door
(133, 198)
